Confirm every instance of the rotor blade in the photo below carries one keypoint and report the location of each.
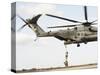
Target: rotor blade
(93, 21)
(63, 18)
(22, 19)
(22, 27)
(36, 17)
(64, 26)
(85, 13)
(13, 17)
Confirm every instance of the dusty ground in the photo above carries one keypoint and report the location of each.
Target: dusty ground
(76, 67)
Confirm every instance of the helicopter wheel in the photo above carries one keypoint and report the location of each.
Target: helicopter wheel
(85, 42)
(78, 45)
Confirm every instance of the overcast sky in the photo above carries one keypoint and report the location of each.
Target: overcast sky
(49, 51)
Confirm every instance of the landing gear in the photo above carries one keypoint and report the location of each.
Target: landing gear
(78, 45)
(66, 57)
(85, 42)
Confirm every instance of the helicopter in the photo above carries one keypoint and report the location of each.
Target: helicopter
(83, 32)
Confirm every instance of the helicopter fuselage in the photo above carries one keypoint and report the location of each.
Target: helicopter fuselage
(80, 34)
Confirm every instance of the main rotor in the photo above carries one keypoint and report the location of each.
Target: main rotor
(86, 23)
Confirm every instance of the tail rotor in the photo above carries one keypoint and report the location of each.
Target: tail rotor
(29, 21)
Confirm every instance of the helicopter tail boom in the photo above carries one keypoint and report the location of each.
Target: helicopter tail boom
(37, 29)
(32, 23)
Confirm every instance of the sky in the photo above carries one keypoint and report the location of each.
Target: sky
(49, 51)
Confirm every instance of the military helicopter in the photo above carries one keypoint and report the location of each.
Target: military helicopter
(83, 32)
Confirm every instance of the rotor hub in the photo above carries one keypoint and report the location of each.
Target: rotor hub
(86, 24)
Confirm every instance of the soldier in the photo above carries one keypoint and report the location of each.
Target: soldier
(66, 60)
